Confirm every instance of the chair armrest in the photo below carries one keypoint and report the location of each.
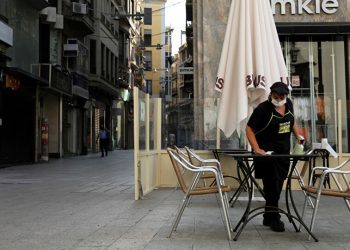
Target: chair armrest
(336, 171)
(320, 168)
(211, 161)
(200, 159)
(330, 169)
(218, 174)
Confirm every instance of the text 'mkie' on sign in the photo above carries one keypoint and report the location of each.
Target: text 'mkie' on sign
(311, 7)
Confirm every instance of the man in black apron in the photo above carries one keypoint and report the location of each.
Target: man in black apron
(269, 129)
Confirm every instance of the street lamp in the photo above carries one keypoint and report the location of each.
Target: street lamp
(138, 16)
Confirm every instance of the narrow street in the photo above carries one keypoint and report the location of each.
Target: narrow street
(84, 202)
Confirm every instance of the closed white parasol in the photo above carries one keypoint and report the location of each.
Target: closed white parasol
(251, 61)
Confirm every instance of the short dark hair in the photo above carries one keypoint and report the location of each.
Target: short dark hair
(279, 88)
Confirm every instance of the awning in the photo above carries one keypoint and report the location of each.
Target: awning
(26, 75)
(312, 28)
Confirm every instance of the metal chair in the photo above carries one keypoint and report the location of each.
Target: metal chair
(179, 163)
(196, 160)
(299, 176)
(316, 192)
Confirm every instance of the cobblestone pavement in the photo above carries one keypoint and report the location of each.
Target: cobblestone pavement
(87, 202)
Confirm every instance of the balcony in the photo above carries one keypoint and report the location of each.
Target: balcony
(110, 25)
(80, 85)
(78, 18)
(189, 30)
(39, 4)
(127, 19)
(58, 79)
(124, 62)
(134, 60)
(77, 55)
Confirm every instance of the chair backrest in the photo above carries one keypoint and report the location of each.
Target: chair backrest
(179, 164)
(306, 164)
(181, 152)
(194, 159)
(344, 175)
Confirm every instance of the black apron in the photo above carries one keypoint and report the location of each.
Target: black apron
(275, 137)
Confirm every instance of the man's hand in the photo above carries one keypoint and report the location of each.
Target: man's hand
(260, 151)
(301, 139)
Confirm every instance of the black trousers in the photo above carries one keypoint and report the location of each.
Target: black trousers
(272, 189)
(104, 146)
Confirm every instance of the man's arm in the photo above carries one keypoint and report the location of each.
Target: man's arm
(253, 142)
(296, 132)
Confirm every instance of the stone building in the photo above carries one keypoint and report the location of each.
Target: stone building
(314, 38)
(66, 67)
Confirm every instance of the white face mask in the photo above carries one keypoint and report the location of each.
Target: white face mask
(278, 103)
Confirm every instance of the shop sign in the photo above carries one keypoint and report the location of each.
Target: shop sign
(185, 70)
(295, 81)
(12, 82)
(300, 7)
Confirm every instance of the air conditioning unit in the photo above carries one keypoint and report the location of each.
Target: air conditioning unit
(71, 48)
(79, 8)
(72, 41)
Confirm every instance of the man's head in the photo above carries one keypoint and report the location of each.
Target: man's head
(279, 88)
(279, 92)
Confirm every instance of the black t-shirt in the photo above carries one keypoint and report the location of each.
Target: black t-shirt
(272, 130)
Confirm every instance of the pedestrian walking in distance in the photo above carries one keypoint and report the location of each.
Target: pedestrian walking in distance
(103, 136)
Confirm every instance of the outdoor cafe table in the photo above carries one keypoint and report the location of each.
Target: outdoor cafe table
(243, 160)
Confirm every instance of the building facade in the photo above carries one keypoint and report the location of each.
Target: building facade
(314, 38)
(19, 90)
(67, 67)
(179, 122)
(154, 51)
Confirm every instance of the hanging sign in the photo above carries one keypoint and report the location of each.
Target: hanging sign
(185, 70)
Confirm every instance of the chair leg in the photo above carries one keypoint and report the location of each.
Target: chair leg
(226, 218)
(224, 205)
(304, 208)
(195, 180)
(228, 209)
(179, 214)
(302, 184)
(347, 203)
(314, 212)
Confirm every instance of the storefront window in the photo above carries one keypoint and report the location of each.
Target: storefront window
(152, 125)
(142, 120)
(317, 72)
